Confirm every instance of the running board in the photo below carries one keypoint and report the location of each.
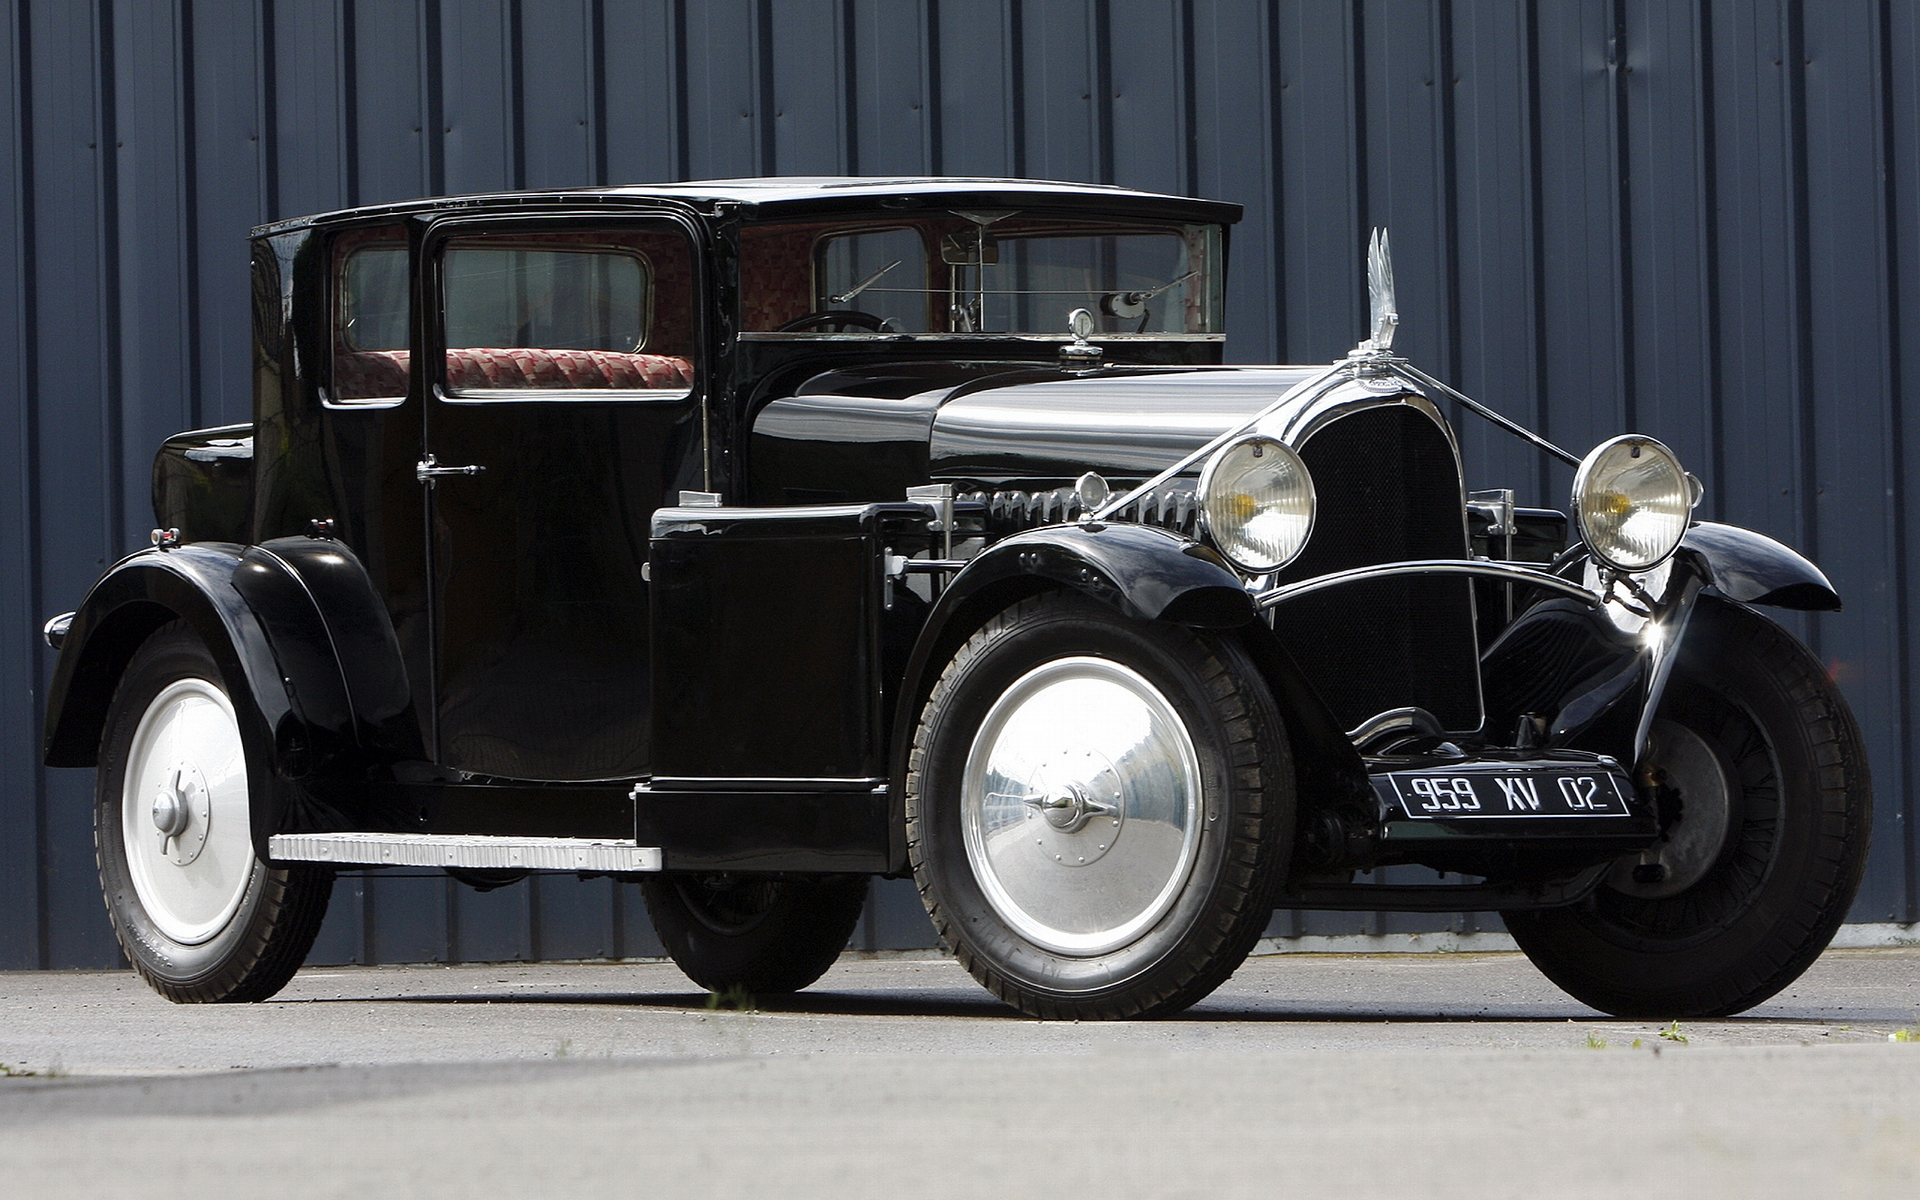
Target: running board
(464, 850)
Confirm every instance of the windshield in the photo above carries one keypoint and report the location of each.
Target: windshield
(997, 272)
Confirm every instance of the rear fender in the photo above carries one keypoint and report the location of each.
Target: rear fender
(332, 633)
(134, 598)
(313, 694)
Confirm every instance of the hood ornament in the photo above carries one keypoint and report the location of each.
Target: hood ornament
(1384, 317)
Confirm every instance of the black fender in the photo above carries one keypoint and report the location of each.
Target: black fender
(1149, 574)
(1752, 568)
(259, 610)
(322, 610)
(138, 595)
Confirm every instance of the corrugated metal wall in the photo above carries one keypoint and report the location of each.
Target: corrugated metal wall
(1694, 219)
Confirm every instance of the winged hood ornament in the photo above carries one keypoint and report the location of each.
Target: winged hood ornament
(1385, 316)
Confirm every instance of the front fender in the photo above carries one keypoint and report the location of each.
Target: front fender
(1754, 569)
(1147, 573)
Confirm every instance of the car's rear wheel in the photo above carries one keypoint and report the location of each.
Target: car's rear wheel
(759, 934)
(1096, 808)
(1769, 807)
(199, 916)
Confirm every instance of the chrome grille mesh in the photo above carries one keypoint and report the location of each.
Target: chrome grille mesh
(1388, 490)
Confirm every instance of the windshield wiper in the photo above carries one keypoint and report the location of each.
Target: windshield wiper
(864, 284)
(1134, 304)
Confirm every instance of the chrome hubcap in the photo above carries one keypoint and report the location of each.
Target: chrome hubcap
(183, 812)
(1081, 806)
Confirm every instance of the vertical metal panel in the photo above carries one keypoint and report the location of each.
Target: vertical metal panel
(1667, 137)
(1321, 189)
(1497, 237)
(478, 73)
(495, 926)
(894, 919)
(1406, 168)
(558, 76)
(1583, 387)
(405, 918)
(1900, 73)
(1694, 216)
(307, 84)
(1849, 392)
(386, 57)
(233, 183)
(643, 98)
(891, 121)
(807, 66)
(1062, 127)
(575, 915)
(1232, 158)
(156, 331)
(78, 408)
(981, 89)
(23, 660)
(1148, 94)
(723, 90)
(1757, 260)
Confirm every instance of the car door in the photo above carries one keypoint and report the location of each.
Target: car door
(564, 408)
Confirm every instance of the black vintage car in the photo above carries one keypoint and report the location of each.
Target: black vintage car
(755, 538)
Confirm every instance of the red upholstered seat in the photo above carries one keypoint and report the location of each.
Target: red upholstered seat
(370, 375)
(380, 374)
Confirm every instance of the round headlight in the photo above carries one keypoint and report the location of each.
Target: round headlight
(1258, 502)
(1633, 502)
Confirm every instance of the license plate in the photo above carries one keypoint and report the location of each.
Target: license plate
(1501, 790)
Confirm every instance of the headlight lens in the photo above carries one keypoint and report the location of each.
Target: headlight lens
(1633, 502)
(1258, 501)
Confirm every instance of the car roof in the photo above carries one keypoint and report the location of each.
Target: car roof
(799, 194)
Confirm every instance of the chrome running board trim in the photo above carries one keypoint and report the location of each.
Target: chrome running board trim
(464, 850)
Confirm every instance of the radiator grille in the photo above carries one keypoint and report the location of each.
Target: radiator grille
(1387, 489)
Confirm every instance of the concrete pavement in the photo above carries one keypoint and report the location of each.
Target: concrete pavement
(1353, 1075)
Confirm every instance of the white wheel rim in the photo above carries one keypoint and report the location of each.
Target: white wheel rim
(183, 812)
(1080, 806)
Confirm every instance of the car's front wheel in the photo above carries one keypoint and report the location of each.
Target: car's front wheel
(199, 916)
(1096, 809)
(1767, 813)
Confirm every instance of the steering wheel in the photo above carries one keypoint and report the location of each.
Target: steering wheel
(839, 318)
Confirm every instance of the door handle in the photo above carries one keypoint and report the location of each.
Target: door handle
(427, 470)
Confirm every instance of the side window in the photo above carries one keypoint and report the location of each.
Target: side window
(528, 315)
(882, 272)
(370, 290)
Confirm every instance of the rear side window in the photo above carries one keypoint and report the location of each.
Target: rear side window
(370, 325)
(558, 299)
(532, 316)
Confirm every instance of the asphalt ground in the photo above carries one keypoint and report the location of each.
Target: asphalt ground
(1305, 1075)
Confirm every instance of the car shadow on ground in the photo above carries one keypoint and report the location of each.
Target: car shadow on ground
(956, 1004)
